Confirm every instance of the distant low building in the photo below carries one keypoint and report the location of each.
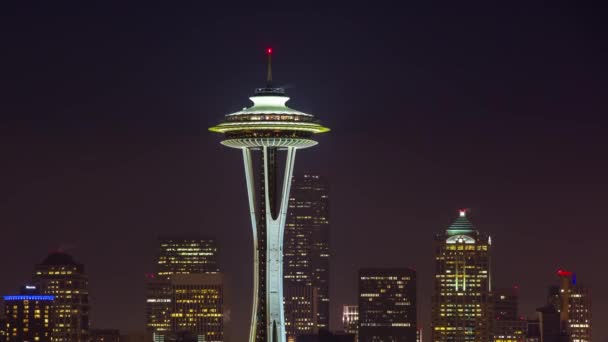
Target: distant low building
(326, 336)
(506, 325)
(533, 330)
(2, 322)
(105, 335)
(514, 330)
(136, 337)
(550, 325)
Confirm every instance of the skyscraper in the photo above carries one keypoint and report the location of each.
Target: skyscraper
(268, 127)
(575, 307)
(306, 249)
(461, 298)
(198, 305)
(59, 275)
(173, 289)
(387, 305)
(29, 315)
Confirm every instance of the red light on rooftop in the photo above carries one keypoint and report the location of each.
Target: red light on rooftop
(269, 51)
(564, 273)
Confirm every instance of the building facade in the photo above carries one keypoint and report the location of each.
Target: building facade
(28, 316)
(300, 310)
(350, 320)
(62, 277)
(387, 305)
(198, 305)
(175, 303)
(306, 251)
(461, 295)
(186, 254)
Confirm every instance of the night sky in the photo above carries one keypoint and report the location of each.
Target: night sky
(104, 113)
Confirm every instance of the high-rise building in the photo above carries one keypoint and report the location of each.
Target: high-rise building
(575, 307)
(461, 298)
(387, 305)
(29, 316)
(198, 305)
(266, 129)
(306, 250)
(105, 335)
(185, 294)
(59, 275)
(350, 319)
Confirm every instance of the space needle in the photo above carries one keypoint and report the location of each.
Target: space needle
(268, 130)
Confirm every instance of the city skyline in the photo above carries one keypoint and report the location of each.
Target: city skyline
(105, 148)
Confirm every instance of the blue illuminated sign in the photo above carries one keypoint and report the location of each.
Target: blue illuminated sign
(9, 298)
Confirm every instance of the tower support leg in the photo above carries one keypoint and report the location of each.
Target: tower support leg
(268, 254)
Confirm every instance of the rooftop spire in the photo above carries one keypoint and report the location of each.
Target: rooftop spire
(269, 75)
(461, 225)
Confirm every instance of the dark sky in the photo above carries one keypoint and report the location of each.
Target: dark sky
(499, 108)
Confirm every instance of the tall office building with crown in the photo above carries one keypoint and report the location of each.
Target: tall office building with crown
(461, 295)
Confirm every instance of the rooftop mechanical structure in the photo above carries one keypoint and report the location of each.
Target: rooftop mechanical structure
(267, 130)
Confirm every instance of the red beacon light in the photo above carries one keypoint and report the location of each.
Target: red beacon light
(269, 51)
(564, 273)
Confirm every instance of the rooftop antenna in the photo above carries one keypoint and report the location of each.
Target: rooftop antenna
(269, 75)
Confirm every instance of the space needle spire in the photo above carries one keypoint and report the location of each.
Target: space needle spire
(264, 131)
(269, 74)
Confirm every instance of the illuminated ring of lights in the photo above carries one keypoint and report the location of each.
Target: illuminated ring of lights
(288, 126)
(269, 142)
